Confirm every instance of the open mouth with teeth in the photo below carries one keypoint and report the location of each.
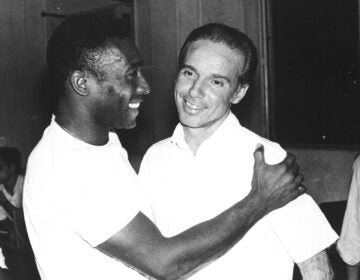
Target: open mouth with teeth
(192, 106)
(134, 105)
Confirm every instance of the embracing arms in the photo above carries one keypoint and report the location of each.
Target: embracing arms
(141, 245)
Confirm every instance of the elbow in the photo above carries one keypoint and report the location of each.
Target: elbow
(167, 272)
(167, 269)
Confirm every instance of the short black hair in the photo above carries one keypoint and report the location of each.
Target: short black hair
(232, 37)
(11, 156)
(77, 43)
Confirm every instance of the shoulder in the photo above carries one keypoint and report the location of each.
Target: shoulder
(156, 156)
(273, 152)
(40, 153)
(161, 147)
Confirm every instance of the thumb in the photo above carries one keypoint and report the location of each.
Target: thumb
(259, 154)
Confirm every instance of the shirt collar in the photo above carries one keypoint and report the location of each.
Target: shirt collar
(178, 138)
(72, 141)
(222, 133)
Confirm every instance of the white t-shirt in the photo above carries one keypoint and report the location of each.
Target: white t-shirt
(349, 241)
(76, 196)
(185, 189)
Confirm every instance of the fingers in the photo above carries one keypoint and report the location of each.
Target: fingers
(299, 178)
(288, 160)
(293, 181)
(301, 190)
(259, 154)
(294, 168)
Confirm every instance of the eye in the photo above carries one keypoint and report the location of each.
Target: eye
(188, 73)
(132, 74)
(218, 83)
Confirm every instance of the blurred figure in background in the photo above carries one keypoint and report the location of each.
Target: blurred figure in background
(349, 241)
(11, 183)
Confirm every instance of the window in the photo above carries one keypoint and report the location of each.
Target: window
(315, 97)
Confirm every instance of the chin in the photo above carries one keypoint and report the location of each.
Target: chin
(190, 122)
(130, 125)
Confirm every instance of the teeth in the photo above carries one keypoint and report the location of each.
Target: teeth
(192, 106)
(134, 105)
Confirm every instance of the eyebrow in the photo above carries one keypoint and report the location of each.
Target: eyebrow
(133, 65)
(222, 77)
(216, 76)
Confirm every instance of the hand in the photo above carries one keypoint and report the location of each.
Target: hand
(276, 185)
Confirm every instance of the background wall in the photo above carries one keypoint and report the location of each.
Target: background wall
(327, 171)
(22, 52)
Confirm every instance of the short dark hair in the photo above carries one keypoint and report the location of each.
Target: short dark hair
(232, 37)
(11, 156)
(77, 43)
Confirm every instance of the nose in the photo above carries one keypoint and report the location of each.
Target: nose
(143, 86)
(196, 89)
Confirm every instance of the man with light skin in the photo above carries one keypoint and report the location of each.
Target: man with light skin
(197, 171)
(82, 206)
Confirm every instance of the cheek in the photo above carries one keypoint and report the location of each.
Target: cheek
(182, 84)
(219, 100)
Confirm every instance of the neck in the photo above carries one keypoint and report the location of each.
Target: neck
(81, 126)
(193, 139)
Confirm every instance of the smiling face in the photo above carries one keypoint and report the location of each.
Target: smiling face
(207, 85)
(117, 96)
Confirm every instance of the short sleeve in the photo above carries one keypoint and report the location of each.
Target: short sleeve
(302, 228)
(349, 241)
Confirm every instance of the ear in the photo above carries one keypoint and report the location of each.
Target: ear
(239, 93)
(78, 83)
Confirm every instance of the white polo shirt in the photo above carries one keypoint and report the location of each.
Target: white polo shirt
(185, 189)
(77, 196)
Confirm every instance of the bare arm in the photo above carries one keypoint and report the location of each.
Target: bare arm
(142, 247)
(353, 272)
(317, 267)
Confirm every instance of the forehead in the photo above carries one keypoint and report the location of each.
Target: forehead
(122, 52)
(214, 55)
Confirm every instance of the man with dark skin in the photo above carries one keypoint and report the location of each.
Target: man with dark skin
(81, 204)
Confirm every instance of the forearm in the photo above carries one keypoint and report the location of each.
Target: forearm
(317, 268)
(209, 240)
(141, 245)
(353, 272)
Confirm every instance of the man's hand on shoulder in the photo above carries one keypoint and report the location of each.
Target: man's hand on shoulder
(276, 185)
